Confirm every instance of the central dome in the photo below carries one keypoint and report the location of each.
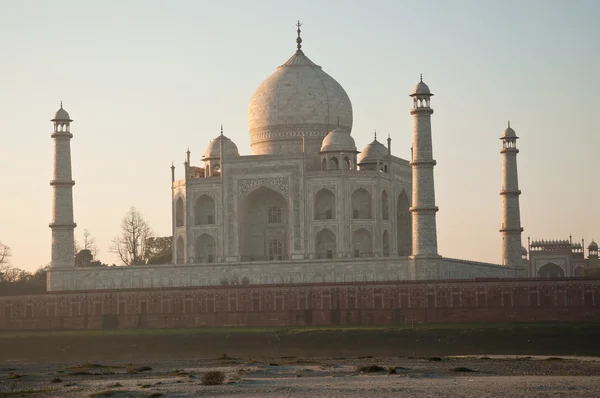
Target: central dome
(297, 100)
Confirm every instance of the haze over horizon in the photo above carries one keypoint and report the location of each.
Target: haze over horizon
(145, 80)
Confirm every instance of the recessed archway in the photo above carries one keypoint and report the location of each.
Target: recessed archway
(361, 204)
(324, 205)
(385, 207)
(325, 244)
(362, 243)
(263, 218)
(180, 251)
(204, 210)
(551, 270)
(385, 243)
(179, 215)
(204, 249)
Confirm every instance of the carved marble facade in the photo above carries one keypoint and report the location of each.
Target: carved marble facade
(355, 211)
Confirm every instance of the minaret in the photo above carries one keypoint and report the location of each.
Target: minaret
(424, 232)
(511, 217)
(63, 240)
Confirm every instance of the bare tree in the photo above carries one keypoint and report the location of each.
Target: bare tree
(5, 253)
(89, 243)
(130, 245)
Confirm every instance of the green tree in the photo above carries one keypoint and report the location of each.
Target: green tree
(159, 250)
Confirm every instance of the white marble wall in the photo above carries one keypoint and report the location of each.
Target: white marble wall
(304, 271)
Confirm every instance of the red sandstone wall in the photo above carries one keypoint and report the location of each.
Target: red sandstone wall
(305, 305)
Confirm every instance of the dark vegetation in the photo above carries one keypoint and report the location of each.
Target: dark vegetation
(430, 342)
(213, 378)
(370, 369)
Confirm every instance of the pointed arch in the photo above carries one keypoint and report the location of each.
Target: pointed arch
(403, 225)
(385, 206)
(324, 205)
(263, 217)
(347, 163)
(551, 270)
(385, 243)
(180, 251)
(204, 210)
(361, 204)
(334, 164)
(179, 213)
(362, 243)
(204, 249)
(325, 244)
(323, 164)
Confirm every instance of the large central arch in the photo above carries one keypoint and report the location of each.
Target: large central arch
(263, 225)
(551, 270)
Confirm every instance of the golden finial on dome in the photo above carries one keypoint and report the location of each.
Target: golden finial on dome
(299, 39)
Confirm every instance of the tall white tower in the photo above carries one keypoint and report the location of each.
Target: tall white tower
(424, 233)
(63, 243)
(511, 216)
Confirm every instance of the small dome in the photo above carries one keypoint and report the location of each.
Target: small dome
(371, 151)
(593, 245)
(61, 115)
(523, 251)
(214, 148)
(338, 140)
(509, 133)
(421, 88)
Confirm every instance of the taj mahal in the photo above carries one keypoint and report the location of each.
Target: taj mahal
(307, 206)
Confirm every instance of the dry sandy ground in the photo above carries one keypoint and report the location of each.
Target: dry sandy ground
(310, 377)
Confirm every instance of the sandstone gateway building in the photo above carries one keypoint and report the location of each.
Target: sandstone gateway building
(305, 207)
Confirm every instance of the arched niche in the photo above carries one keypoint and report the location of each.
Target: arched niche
(324, 204)
(361, 204)
(325, 244)
(180, 251)
(263, 217)
(385, 243)
(179, 213)
(362, 243)
(403, 225)
(334, 163)
(204, 249)
(550, 270)
(385, 206)
(204, 210)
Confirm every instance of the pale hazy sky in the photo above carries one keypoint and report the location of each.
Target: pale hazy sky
(144, 80)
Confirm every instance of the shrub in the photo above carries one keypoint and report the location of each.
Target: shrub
(213, 378)
(392, 370)
(369, 369)
(137, 369)
(462, 369)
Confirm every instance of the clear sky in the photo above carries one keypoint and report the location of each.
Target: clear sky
(144, 80)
